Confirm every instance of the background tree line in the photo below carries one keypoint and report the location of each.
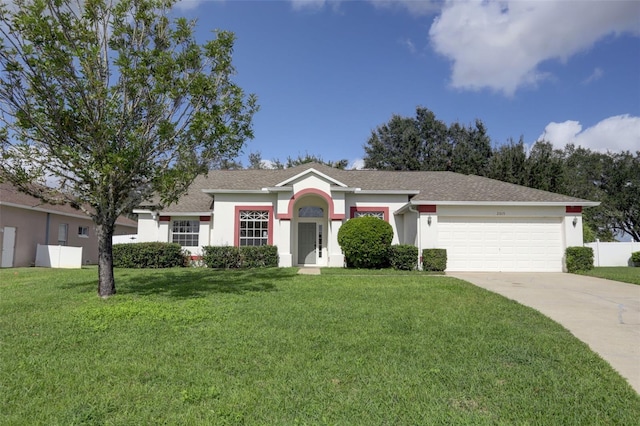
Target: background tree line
(425, 143)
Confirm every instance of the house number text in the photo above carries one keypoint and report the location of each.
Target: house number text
(501, 213)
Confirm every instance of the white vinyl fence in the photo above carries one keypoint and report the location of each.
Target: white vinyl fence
(59, 257)
(613, 254)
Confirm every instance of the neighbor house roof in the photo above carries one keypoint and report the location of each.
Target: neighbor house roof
(422, 187)
(10, 196)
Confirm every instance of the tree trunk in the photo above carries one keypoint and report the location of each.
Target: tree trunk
(106, 281)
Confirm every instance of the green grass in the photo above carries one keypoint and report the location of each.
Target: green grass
(195, 346)
(624, 274)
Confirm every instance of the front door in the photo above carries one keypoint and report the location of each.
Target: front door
(8, 246)
(307, 243)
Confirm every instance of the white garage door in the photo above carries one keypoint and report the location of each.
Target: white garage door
(501, 244)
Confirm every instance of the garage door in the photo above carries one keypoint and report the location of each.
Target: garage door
(501, 244)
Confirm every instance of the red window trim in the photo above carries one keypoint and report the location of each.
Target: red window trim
(236, 223)
(354, 209)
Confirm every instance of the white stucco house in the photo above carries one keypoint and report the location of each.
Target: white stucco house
(484, 224)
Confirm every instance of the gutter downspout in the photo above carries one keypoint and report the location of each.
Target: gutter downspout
(413, 209)
(46, 235)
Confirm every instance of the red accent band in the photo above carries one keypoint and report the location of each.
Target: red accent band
(428, 208)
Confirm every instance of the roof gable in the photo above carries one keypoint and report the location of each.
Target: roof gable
(307, 172)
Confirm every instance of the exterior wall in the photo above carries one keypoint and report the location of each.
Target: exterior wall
(391, 201)
(31, 230)
(225, 211)
(147, 228)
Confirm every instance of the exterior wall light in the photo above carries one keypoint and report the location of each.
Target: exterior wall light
(429, 221)
(575, 221)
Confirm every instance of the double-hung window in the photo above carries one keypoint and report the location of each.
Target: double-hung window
(254, 227)
(185, 232)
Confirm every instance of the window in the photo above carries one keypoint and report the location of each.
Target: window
(83, 231)
(378, 214)
(254, 227)
(185, 232)
(310, 211)
(63, 230)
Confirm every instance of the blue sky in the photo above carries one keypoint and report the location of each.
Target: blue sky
(327, 73)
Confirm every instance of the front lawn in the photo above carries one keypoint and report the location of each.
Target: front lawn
(625, 274)
(195, 346)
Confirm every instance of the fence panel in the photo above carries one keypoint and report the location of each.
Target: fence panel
(613, 254)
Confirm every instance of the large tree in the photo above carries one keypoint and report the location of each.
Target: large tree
(426, 143)
(621, 184)
(111, 101)
(508, 163)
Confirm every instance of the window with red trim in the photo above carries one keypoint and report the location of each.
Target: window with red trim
(379, 212)
(254, 227)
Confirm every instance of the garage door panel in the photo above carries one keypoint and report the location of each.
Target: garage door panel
(501, 244)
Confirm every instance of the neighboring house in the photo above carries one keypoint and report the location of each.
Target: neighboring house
(26, 222)
(485, 225)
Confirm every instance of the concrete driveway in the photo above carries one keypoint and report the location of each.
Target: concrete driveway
(602, 313)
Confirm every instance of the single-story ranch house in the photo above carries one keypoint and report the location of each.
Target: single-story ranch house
(26, 221)
(484, 224)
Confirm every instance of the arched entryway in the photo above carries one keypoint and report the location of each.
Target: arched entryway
(310, 230)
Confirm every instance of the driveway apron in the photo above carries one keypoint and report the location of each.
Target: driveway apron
(602, 313)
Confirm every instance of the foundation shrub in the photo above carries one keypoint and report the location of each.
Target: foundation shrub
(403, 257)
(434, 260)
(579, 259)
(149, 255)
(365, 242)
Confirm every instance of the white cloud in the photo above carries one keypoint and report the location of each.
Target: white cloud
(595, 75)
(415, 7)
(357, 164)
(312, 5)
(189, 4)
(500, 44)
(617, 133)
(267, 164)
(409, 45)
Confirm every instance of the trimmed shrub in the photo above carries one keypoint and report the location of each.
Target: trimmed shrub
(365, 242)
(403, 257)
(259, 256)
(221, 257)
(227, 257)
(579, 259)
(149, 255)
(434, 260)
(635, 258)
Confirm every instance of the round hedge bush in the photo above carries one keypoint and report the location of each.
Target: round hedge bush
(365, 242)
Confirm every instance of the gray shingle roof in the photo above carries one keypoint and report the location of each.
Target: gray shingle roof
(433, 187)
(10, 195)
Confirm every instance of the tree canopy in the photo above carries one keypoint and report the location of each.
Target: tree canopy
(109, 102)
